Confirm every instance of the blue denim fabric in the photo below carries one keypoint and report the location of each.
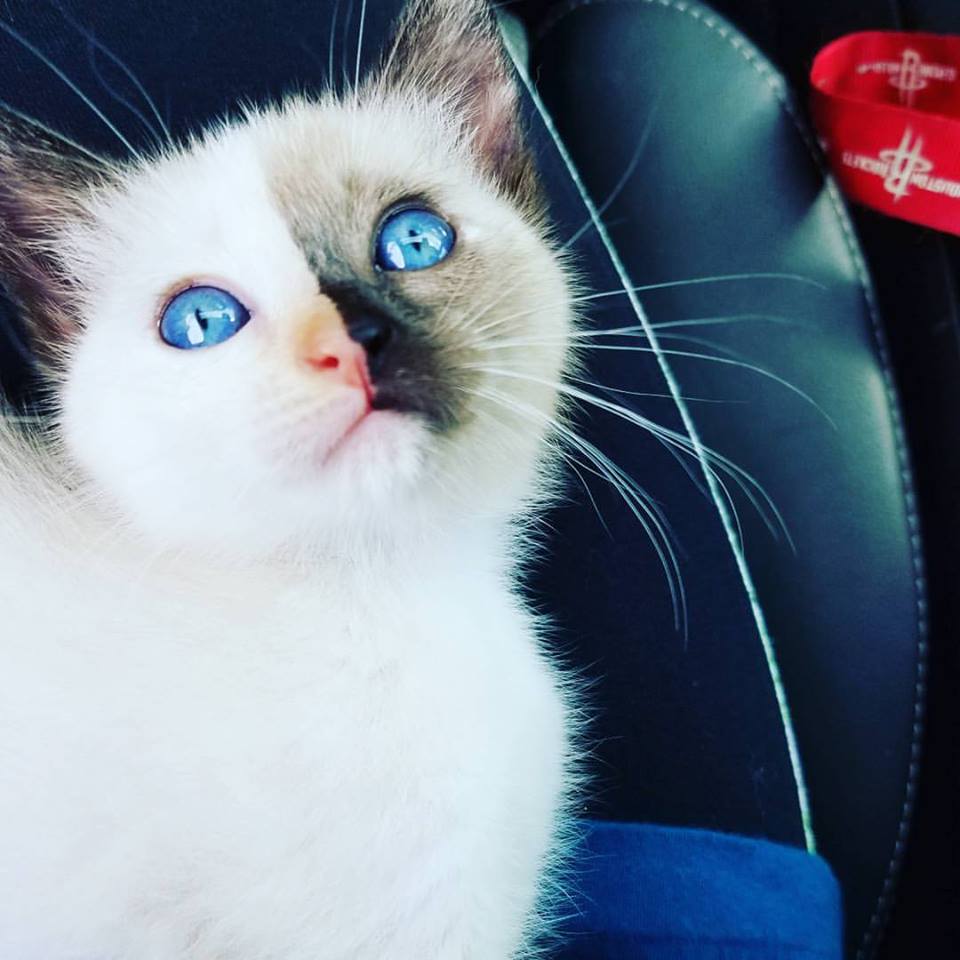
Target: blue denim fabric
(659, 893)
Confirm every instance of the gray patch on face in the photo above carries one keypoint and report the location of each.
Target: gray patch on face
(414, 369)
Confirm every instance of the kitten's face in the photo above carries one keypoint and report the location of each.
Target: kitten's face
(356, 395)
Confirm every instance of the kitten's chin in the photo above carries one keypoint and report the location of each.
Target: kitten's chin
(378, 456)
(351, 436)
(372, 441)
(365, 480)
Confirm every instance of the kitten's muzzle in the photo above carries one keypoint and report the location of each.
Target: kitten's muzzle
(401, 363)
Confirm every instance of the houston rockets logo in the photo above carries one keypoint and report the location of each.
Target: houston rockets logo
(910, 73)
(905, 162)
(887, 107)
(902, 167)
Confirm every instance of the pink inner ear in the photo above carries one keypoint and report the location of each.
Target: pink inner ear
(477, 68)
(453, 49)
(497, 133)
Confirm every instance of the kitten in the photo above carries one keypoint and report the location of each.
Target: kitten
(266, 686)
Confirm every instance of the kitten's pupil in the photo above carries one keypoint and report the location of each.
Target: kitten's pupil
(202, 320)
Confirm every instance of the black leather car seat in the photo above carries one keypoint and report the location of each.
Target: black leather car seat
(729, 180)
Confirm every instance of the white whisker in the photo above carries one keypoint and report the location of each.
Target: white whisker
(118, 97)
(718, 348)
(635, 329)
(624, 179)
(729, 361)
(96, 161)
(347, 20)
(356, 75)
(644, 393)
(647, 512)
(722, 320)
(92, 40)
(575, 466)
(712, 462)
(333, 33)
(50, 65)
(689, 354)
(746, 481)
(717, 278)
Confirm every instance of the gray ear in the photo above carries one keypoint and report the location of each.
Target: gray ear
(43, 181)
(452, 49)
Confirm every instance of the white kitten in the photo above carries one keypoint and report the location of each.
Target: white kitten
(266, 689)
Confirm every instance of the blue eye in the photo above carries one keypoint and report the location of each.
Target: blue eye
(413, 239)
(202, 317)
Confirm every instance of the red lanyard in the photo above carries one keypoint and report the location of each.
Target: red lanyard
(887, 107)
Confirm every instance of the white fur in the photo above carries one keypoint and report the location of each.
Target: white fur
(255, 705)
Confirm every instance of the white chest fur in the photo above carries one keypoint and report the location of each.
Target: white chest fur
(349, 763)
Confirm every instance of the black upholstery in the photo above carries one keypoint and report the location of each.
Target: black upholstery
(915, 272)
(727, 184)
(914, 275)
(688, 725)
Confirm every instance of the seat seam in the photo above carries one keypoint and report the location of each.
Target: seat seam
(776, 84)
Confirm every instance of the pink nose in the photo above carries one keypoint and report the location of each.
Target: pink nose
(325, 347)
(337, 357)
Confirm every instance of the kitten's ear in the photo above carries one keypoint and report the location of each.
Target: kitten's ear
(452, 49)
(43, 184)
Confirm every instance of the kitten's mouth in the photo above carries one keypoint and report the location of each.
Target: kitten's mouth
(372, 370)
(364, 421)
(354, 341)
(371, 438)
(338, 445)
